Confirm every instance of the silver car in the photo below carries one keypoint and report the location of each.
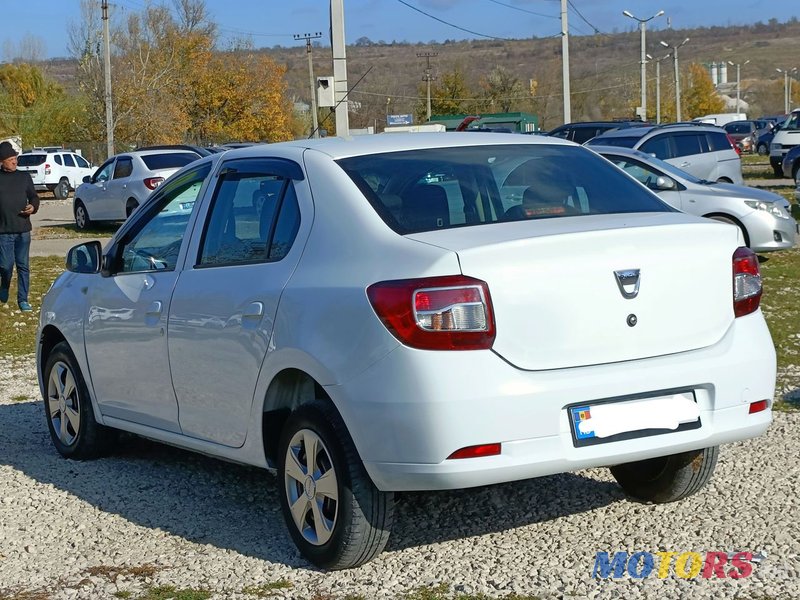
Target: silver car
(763, 217)
(123, 182)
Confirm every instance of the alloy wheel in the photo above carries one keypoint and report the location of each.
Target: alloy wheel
(63, 405)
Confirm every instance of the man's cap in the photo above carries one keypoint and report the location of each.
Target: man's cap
(7, 150)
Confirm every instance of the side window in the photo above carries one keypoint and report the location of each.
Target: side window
(687, 144)
(658, 146)
(254, 218)
(156, 240)
(641, 172)
(123, 168)
(584, 134)
(104, 172)
(82, 162)
(793, 122)
(57, 158)
(563, 134)
(68, 162)
(717, 141)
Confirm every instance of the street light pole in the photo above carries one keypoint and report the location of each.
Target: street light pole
(642, 27)
(677, 77)
(738, 81)
(787, 88)
(308, 37)
(658, 86)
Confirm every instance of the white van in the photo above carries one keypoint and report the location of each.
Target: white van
(720, 119)
(787, 137)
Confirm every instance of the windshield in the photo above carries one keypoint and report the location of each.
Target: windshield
(443, 188)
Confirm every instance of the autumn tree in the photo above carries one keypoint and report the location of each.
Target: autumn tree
(449, 96)
(501, 90)
(700, 98)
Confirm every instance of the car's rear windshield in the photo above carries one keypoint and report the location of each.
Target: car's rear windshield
(624, 141)
(30, 160)
(441, 188)
(170, 160)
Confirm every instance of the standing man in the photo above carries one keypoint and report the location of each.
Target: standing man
(18, 201)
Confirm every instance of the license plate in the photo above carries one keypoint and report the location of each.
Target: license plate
(614, 420)
(186, 205)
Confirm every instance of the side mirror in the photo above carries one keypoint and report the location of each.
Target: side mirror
(87, 179)
(85, 258)
(665, 183)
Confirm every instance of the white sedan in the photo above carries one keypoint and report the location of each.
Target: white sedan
(411, 312)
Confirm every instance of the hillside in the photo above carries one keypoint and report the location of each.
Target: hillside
(604, 69)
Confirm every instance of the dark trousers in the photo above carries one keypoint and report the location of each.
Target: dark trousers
(14, 250)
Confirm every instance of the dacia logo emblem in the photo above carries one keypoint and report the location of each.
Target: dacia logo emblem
(628, 282)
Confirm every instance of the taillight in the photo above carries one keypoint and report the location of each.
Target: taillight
(436, 313)
(733, 144)
(746, 282)
(153, 182)
(47, 169)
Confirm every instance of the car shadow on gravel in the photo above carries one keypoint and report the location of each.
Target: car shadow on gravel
(209, 501)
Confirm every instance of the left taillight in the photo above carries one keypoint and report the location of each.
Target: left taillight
(436, 313)
(733, 144)
(747, 287)
(153, 182)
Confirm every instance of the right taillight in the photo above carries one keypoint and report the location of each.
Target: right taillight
(733, 144)
(153, 182)
(747, 286)
(436, 313)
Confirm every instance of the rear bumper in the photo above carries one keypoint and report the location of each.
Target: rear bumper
(412, 409)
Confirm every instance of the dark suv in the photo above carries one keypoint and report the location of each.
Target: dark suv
(705, 151)
(581, 132)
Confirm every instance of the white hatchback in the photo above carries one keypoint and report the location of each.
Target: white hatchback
(411, 312)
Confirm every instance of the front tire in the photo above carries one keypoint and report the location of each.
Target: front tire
(336, 516)
(762, 150)
(82, 220)
(667, 478)
(70, 418)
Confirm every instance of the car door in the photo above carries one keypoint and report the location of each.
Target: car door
(692, 154)
(648, 176)
(126, 325)
(112, 203)
(93, 194)
(224, 305)
(71, 170)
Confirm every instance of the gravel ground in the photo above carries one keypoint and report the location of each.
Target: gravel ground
(153, 516)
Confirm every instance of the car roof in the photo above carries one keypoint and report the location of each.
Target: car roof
(341, 147)
(151, 152)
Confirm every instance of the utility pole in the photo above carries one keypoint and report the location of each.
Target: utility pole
(107, 61)
(339, 68)
(677, 77)
(428, 77)
(738, 81)
(308, 37)
(565, 62)
(787, 88)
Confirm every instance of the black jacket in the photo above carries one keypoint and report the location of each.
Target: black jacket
(16, 190)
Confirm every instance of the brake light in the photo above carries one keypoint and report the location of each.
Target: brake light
(47, 169)
(733, 144)
(757, 407)
(747, 286)
(153, 182)
(476, 451)
(436, 313)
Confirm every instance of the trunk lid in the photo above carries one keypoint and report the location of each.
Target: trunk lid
(558, 302)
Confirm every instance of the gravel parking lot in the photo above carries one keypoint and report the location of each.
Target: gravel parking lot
(153, 516)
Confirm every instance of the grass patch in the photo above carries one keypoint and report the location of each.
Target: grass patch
(111, 573)
(268, 589)
(169, 592)
(69, 231)
(18, 329)
(19, 398)
(123, 594)
(442, 592)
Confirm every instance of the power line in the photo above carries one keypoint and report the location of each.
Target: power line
(585, 20)
(525, 10)
(491, 37)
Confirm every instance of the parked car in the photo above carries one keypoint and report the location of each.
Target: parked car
(763, 217)
(743, 133)
(55, 170)
(199, 150)
(787, 138)
(705, 151)
(790, 166)
(410, 313)
(123, 182)
(580, 132)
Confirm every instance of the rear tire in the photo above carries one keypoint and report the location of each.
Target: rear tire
(61, 191)
(82, 220)
(70, 417)
(131, 206)
(762, 150)
(336, 516)
(667, 478)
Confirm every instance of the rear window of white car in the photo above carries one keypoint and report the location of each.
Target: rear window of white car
(442, 188)
(171, 160)
(30, 160)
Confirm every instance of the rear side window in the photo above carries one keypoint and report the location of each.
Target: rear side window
(30, 160)
(171, 160)
(57, 159)
(689, 144)
(718, 141)
(443, 188)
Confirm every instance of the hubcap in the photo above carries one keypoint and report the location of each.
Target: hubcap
(63, 407)
(311, 487)
(80, 217)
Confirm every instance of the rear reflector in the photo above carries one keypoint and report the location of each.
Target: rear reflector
(476, 451)
(746, 282)
(757, 407)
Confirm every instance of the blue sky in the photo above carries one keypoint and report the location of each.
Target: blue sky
(271, 22)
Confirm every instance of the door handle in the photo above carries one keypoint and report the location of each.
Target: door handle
(254, 310)
(154, 309)
(685, 164)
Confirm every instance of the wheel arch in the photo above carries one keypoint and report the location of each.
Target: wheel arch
(733, 219)
(49, 338)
